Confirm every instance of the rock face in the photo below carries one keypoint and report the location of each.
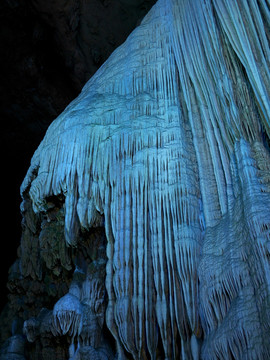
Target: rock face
(49, 49)
(146, 205)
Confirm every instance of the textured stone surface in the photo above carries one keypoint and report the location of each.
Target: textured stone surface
(149, 198)
(45, 274)
(49, 49)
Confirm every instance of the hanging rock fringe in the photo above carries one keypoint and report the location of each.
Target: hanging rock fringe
(67, 316)
(168, 141)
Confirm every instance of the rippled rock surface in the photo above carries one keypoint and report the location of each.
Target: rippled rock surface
(146, 206)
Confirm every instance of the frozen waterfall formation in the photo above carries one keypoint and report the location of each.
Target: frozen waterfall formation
(167, 147)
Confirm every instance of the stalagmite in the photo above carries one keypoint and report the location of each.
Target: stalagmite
(168, 146)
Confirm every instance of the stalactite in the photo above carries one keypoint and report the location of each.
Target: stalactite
(166, 142)
(67, 314)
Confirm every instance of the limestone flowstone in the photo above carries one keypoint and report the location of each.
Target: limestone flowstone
(168, 146)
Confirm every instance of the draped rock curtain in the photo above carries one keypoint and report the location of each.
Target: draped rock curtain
(169, 141)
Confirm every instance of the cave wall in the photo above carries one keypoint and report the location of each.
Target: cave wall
(44, 272)
(167, 167)
(49, 49)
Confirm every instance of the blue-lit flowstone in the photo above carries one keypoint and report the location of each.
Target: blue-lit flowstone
(169, 143)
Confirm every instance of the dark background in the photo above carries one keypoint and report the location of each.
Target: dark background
(48, 50)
